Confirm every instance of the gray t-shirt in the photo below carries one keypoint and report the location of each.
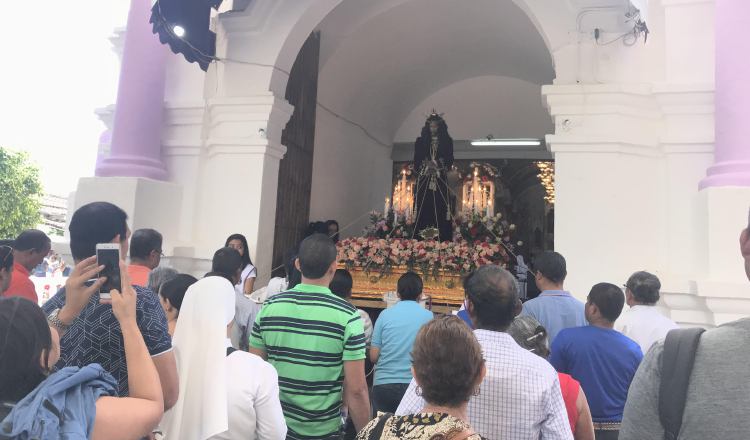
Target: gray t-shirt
(718, 398)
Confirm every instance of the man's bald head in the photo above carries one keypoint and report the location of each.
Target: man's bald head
(493, 296)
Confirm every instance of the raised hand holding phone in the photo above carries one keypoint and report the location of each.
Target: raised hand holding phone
(108, 255)
(77, 290)
(123, 302)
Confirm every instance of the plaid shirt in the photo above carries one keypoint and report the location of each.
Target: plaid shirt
(520, 397)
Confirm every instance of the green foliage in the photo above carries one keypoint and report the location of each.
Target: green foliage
(20, 193)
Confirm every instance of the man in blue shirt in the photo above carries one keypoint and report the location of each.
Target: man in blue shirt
(602, 359)
(95, 336)
(554, 308)
(392, 341)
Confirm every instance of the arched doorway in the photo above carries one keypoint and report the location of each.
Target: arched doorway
(482, 63)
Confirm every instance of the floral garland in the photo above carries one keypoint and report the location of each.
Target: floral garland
(429, 257)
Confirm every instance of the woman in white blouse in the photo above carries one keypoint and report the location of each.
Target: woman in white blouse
(224, 394)
(247, 278)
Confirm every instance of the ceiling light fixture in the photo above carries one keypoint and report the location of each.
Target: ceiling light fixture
(489, 141)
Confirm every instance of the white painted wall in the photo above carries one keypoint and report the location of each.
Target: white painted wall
(476, 107)
(351, 174)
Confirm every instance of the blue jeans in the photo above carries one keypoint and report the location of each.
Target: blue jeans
(386, 397)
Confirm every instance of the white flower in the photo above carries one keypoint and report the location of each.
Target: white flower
(512, 227)
(520, 243)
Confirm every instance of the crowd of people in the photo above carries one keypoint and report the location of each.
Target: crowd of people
(176, 357)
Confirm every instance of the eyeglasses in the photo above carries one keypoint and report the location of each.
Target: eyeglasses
(7, 255)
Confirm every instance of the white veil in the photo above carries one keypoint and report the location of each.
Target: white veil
(201, 350)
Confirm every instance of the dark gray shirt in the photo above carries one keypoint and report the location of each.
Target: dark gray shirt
(718, 398)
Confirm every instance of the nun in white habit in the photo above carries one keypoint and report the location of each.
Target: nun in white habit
(224, 394)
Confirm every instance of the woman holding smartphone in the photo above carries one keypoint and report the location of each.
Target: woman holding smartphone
(35, 403)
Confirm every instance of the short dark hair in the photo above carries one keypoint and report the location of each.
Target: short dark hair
(645, 287)
(174, 289)
(227, 261)
(609, 299)
(31, 239)
(447, 361)
(552, 266)
(26, 333)
(143, 242)
(342, 283)
(409, 286)
(97, 222)
(316, 254)
(494, 294)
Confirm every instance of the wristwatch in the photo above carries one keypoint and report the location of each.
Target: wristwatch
(56, 322)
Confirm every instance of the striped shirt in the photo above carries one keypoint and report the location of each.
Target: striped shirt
(308, 333)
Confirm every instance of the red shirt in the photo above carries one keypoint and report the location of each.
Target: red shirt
(138, 275)
(21, 285)
(570, 389)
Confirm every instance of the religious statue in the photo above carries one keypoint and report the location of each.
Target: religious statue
(433, 159)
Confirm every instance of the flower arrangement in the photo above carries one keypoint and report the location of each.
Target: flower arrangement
(474, 226)
(428, 257)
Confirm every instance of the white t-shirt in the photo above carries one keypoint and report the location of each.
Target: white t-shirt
(248, 272)
(645, 325)
(254, 407)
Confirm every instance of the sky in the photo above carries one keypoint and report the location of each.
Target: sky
(57, 67)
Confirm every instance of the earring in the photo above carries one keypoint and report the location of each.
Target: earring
(478, 391)
(418, 391)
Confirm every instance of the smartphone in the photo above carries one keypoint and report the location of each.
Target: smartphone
(108, 255)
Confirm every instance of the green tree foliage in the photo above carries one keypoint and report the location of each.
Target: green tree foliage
(20, 193)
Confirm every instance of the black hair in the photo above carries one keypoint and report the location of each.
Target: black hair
(316, 254)
(6, 256)
(609, 299)
(494, 294)
(409, 286)
(227, 261)
(293, 275)
(174, 289)
(246, 255)
(552, 266)
(143, 242)
(645, 287)
(24, 337)
(31, 239)
(316, 228)
(97, 222)
(342, 283)
(334, 237)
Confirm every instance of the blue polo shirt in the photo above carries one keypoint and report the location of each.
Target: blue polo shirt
(604, 361)
(394, 334)
(556, 310)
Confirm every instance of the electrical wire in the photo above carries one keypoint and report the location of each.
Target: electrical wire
(212, 58)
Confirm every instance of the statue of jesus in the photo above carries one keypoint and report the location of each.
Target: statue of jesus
(433, 158)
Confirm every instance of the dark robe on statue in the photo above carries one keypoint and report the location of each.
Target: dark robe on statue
(433, 158)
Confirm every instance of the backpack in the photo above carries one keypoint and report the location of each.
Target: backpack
(678, 358)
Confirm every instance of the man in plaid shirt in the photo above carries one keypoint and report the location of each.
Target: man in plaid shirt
(520, 397)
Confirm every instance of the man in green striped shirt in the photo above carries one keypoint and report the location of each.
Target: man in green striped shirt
(316, 342)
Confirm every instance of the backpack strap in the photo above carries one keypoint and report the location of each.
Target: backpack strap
(377, 432)
(677, 365)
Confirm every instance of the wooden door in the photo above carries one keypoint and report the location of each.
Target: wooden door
(295, 169)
